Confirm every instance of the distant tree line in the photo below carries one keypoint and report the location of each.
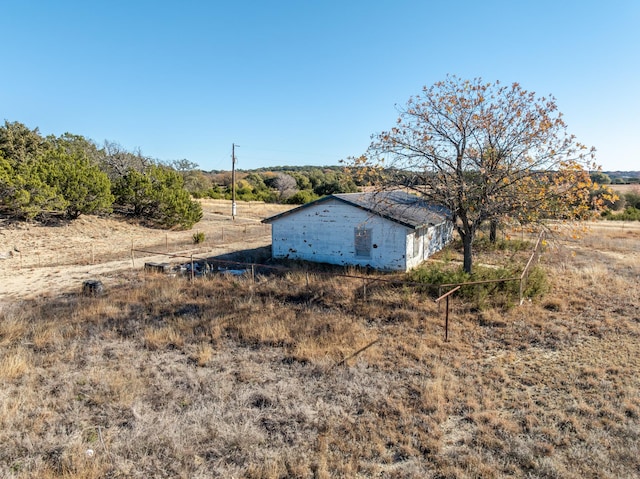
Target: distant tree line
(626, 206)
(616, 177)
(43, 178)
(289, 185)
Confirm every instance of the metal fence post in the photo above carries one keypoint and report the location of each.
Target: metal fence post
(446, 322)
(446, 317)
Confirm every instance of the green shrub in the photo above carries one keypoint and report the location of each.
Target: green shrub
(632, 198)
(85, 188)
(630, 213)
(433, 273)
(514, 245)
(302, 197)
(537, 283)
(157, 195)
(198, 237)
(500, 294)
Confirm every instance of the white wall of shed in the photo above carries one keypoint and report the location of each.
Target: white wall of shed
(430, 240)
(324, 233)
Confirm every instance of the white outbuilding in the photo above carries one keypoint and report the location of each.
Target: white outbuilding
(392, 231)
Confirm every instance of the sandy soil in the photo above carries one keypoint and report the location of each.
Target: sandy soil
(38, 260)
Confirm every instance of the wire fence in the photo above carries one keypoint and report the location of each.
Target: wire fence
(522, 279)
(202, 266)
(197, 266)
(103, 249)
(197, 260)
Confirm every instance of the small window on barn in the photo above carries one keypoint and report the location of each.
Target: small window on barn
(363, 242)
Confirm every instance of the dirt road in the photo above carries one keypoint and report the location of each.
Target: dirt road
(38, 260)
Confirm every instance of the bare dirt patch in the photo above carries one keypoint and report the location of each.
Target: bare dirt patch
(40, 260)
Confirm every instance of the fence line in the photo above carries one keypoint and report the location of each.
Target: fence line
(367, 280)
(105, 250)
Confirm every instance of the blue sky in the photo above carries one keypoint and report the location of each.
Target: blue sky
(306, 82)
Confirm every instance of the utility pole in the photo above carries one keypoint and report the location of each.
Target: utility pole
(233, 181)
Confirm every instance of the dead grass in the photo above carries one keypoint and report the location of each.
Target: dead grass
(227, 377)
(14, 364)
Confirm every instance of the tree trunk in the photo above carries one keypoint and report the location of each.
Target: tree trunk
(493, 231)
(467, 243)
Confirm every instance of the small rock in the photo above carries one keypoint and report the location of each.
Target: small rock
(92, 287)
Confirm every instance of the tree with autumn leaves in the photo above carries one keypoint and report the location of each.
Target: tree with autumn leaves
(487, 152)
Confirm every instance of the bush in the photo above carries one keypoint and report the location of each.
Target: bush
(514, 245)
(157, 194)
(198, 237)
(630, 213)
(302, 197)
(85, 188)
(215, 193)
(503, 294)
(25, 193)
(537, 283)
(632, 198)
(55, 183)
(438, 274)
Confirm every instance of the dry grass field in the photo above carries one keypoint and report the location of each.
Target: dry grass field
(622, 189)
(37, 259)
(231, 377)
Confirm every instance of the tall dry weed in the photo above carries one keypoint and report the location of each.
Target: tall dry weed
(15, 363)
(163, 337)
(13, 329)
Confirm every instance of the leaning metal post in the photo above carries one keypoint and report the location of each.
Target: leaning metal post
(446, 316)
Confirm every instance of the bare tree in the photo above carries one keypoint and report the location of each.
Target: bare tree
(117, 161)
(286, 185)
(485, 152)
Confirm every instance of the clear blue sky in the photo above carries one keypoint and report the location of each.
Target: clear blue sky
(306, 82)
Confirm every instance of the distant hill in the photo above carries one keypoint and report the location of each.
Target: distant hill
(622, 177)
(623, 174)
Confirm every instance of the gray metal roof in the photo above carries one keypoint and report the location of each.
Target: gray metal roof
(397, 206)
